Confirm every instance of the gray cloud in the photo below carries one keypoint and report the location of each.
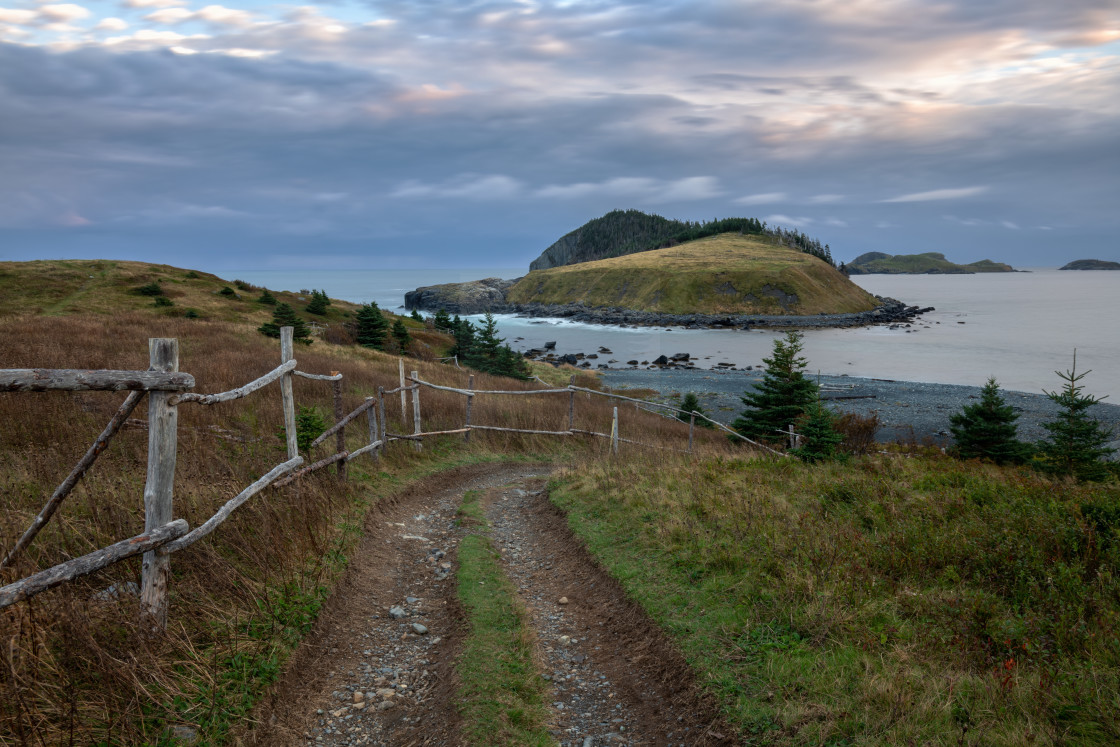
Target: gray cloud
(506, 125)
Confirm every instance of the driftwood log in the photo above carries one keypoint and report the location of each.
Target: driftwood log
(71, 480)
(239, 392)
(78, 380)
(342, 422)
(231, 505)
(95, 561)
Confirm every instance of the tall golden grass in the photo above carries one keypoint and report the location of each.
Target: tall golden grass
(75, 668)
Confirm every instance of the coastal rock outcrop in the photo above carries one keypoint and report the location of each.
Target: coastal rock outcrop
(474, 297)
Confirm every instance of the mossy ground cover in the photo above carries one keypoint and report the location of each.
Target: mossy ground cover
(502, 695)
(886, 601)
(729, 273)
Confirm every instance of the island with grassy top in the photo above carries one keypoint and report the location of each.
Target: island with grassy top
(631, 268)
(929, 263)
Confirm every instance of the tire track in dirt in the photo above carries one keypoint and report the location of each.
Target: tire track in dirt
(367, 676)
(617, 679)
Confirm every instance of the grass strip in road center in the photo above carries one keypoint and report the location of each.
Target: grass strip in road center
(502, 697)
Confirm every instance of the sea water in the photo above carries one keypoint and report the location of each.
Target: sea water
(1019, 327)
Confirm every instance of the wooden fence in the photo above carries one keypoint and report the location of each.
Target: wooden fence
(166, 388)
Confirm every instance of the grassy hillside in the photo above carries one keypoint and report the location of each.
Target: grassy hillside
(102, 287)
(929, 263)
(892, 600)
(726, 274)
(57, 287)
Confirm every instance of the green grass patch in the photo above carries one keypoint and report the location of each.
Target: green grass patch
(501, 696)
(886, 601)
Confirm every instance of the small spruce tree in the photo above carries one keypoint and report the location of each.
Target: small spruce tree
(819, 440)
(987, 430)
(319, 303)
(781, 397)
(267, 298)
(400, 334)
(416, 315)
(371, 328)
(691, 403)
(442, 320)
(285, 316)
(1077, 444)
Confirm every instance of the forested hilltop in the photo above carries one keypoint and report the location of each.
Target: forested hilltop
(622, 232)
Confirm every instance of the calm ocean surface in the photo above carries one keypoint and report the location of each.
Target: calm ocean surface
(1018, 327)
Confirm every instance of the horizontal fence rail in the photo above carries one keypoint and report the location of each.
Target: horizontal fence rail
(79, 380)
(95, 561)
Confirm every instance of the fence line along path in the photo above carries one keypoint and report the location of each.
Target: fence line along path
(167, 389)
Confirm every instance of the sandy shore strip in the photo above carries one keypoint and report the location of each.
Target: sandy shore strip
(908, 410)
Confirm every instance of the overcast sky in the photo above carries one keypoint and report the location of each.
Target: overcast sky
(436, 133)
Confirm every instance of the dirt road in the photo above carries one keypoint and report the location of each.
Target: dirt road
(379, 668)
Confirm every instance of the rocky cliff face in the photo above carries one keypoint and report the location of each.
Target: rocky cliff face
(474, 297)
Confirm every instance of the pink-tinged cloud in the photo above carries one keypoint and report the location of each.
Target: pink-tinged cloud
(763, 198)
(939, 194)
(72, 220)
(63, 12)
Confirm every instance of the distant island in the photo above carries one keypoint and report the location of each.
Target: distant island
(929, 263)
(629, 267)
(1091, 264)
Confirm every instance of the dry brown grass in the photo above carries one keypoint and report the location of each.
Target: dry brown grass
(77, 671)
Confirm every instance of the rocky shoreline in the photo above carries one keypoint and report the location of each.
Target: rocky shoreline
(489, 295)
(908, 411)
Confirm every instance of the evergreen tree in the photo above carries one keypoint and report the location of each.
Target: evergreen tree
(442, 321)
(691, 403)
(782, 395)
(267, 298)
(285, 316)
(819, 439)
(463, 332)
(1077, 443)
(486, 352)
(987, 429)
(487, 343)
(319, 303)
(370, 327)
(400, 334)
(416, 315)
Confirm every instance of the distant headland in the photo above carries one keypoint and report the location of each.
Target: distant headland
(929, 263)
(1091, 264)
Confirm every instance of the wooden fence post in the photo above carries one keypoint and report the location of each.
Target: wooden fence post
(381, 417)
(571, 403)
(340, 437)
(163, 421)
(404, 405)
(614, 432)
(691, 428)
(416, 445)
(470, 400)
(286, 354)
(374, 431)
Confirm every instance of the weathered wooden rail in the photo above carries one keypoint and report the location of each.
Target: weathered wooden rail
(166, 388)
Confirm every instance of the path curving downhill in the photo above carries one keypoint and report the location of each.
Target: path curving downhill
(380, 666)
